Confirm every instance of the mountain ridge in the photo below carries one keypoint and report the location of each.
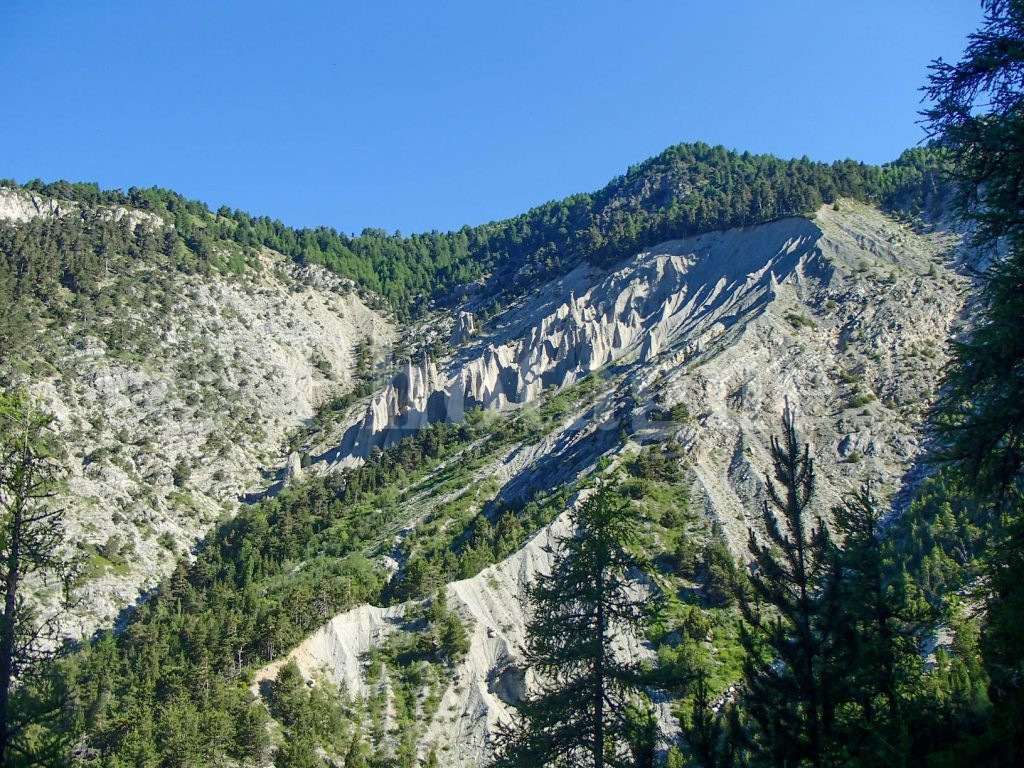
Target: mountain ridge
(685, 190)
(470, 428)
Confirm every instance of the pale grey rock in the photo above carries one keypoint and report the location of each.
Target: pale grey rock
(20, 205)
(684, 296)
(464, 328)
(733, 324)
(293, 468)
(237, 364)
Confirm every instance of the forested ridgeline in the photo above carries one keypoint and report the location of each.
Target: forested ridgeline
(686, 190)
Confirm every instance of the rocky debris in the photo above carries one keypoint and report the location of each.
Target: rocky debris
(684, 297)
(853, 338)
(160, 447)
(464, 329)
(843, 317)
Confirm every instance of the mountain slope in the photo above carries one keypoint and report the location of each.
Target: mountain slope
(172, 390)
(190, 364)
(838, 316)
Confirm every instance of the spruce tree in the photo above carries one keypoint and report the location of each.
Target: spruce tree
(31, 543)
(789, 615)
(977, 116)
(577, 717)
(883, 619)
(705, 729)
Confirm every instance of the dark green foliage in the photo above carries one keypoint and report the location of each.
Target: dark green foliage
(659, 465)
(579, 715)
(447, 634)
(883, 619)
(172, 687)
(461, 548)
(978, 116)
(941, 538)
(298, 752)
(310, 716)
(642, 733)
(712, 736)
(31, 534)
(687, 189)
(981, 413)
(790, 694)
(288, 694)
(69, 272)
(720, 578)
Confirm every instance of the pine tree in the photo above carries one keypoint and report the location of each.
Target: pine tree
(578, 716)
(883, 620)
(31, 540)
(297, 752)
(977, 115)
(789, 616)
(704, 729)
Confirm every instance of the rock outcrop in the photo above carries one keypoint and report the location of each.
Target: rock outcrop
(162, 445)
(680, 296)
(464, 328)
(841, 316)
(19, 205)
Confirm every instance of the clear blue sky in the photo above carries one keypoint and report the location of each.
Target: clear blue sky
(421, 115)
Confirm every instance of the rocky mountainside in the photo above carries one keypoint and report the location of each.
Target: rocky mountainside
(256, 443)
(163, 441)
(693, 347)
(189, 375)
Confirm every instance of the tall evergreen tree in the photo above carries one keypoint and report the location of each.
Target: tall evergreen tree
(978, 116)
(31, 539)
(706, 730)
(789, 616)
(578, 715)
(883, 619)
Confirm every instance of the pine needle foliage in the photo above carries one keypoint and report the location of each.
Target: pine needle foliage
(578, 716)
(977, 114)
(789, 615)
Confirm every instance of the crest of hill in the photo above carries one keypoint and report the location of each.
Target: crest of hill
(688, 189)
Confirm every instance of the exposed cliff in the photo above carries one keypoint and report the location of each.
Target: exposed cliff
(843, 316)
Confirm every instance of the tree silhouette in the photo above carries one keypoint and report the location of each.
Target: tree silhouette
(578, 717)
(789, 616)
(31, 540)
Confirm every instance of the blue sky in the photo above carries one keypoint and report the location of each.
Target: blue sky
(430, 115)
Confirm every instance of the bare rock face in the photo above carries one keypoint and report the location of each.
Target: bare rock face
(21, 205)
(843, 317)
(294, 466)
(18, 205)
(161, 445)
(674, 302)
(464, 328)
